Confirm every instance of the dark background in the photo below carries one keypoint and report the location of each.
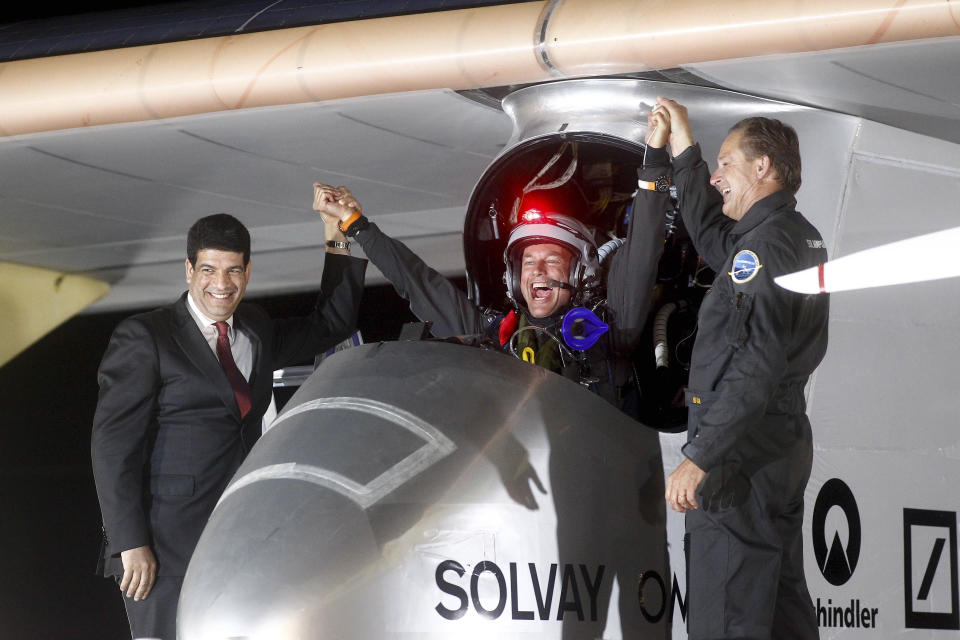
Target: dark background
(49, 516)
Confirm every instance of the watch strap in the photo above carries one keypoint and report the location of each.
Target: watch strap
(661, 184)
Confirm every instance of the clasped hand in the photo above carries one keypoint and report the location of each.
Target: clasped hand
(334, 203)
(667, 121)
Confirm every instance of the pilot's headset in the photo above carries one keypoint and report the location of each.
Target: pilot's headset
(537, 227)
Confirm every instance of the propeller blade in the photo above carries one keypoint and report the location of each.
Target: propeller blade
(928, 257)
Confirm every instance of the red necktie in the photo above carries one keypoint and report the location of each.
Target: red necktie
(241, 389)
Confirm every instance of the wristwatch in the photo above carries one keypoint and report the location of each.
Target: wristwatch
(338, 244)
(661, 184)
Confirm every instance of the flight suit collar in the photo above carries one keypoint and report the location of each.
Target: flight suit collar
(762, 209)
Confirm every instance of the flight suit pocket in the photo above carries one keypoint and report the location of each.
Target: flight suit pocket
(172, 485)
(737, 331)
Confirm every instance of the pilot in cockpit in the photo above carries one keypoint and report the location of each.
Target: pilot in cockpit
(577, 303)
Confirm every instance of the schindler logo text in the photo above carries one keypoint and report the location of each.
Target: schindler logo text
(836, 536)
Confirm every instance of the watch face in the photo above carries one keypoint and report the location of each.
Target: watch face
(663, 185)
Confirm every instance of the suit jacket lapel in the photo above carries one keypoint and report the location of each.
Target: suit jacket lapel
(242, 321)
(189, 338)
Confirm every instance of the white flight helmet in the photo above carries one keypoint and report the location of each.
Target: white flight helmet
(537, 227)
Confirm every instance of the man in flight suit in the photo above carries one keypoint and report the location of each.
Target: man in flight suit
(542, 261)
(749, 446)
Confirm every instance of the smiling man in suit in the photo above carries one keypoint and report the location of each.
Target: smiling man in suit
(183, 390)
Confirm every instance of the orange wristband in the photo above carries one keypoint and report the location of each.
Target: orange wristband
(343, 225)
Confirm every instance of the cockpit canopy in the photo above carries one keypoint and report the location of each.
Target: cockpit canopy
(588, 176)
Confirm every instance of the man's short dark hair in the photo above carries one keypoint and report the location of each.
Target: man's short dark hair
(776, 140)
(220, 231)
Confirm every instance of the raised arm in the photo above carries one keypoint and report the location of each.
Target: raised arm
(632, 271)
(432, 297)
(700, 204)
(334, 318)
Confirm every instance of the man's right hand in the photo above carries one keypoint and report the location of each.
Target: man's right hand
(139, 572)
(681, 137)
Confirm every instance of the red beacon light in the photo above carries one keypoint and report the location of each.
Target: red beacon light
(533, 215)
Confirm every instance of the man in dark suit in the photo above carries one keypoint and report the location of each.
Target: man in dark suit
(183, 390)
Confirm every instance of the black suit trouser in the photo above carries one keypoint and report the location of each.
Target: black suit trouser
(156, 615)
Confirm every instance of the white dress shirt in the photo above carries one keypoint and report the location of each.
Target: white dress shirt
(240, 346)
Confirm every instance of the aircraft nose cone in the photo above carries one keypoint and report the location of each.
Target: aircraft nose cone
(402, 473)
(293, 533)
(265, 570)
(271, 560)
(302, 524)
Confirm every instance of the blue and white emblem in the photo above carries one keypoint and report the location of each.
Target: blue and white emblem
(746, 264)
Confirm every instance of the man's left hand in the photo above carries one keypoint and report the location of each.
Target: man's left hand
(682, 486)
(334, 203)
(658, 127)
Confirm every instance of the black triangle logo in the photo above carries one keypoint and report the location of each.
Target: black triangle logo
(836, 569)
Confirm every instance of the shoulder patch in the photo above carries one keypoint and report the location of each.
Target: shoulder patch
(745, 266)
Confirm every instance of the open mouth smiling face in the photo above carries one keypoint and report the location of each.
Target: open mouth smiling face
(734, 178)
(541, 263)
(218, 282)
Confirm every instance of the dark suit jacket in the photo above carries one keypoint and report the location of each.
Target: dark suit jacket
(167, 434)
